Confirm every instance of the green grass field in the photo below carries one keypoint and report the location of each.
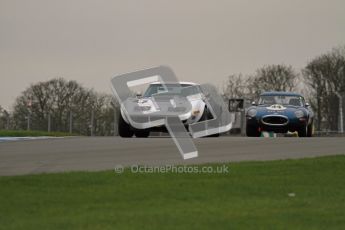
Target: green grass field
(24, 133)
(253, 195)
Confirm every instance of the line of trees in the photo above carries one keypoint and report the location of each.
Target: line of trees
(322, 81)
(63, 106)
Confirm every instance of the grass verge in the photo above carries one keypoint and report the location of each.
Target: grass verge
(253, 195)
(24, 133)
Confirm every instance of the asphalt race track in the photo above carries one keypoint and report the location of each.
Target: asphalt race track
(101, 153)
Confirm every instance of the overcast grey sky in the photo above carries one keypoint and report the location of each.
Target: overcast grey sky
(203, 41)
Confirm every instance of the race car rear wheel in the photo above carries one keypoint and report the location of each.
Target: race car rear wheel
(124, 129)
(252, 131)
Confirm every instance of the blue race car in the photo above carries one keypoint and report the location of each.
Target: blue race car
(280, 112)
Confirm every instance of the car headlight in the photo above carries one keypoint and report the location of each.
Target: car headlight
(194, 97)
(299, 113)
(252, 112)
(195, 112)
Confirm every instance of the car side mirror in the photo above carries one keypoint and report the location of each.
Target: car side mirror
(253, 103)
(307, 105)
(138, 94)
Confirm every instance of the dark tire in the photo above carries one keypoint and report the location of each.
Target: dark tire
(142, 133)
(214, 135)
(252, 131)
(310, 130)
(303, 131)
(125, 130)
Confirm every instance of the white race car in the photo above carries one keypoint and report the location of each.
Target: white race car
(199, 111)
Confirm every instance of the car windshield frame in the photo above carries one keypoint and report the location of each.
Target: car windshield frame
(282, 100)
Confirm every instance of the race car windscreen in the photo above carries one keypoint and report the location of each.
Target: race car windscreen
(158, 88)
(282, 100)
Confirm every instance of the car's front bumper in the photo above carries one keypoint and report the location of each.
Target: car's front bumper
(292, 125)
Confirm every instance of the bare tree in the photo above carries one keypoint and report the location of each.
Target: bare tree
(237, 86)
(2, 118)
(274, 78)
(267, 78)
(325, 76)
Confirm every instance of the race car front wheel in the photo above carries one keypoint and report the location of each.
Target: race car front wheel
(303, 131)
(252, 131)
(142, 133)
(124, 129)
(207, 115)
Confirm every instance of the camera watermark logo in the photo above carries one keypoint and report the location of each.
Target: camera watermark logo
(171, 107)
(119, 169)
